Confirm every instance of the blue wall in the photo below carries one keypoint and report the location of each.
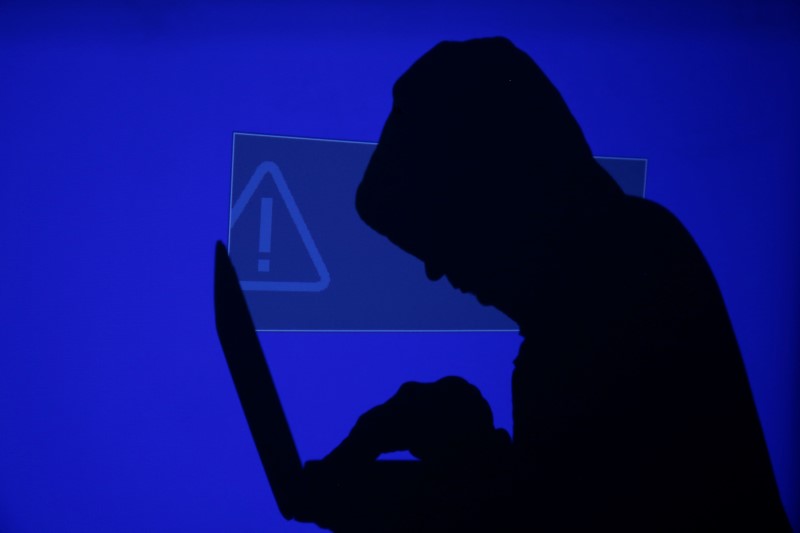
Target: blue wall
(116, 409)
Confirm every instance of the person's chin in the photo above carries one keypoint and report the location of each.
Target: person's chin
(481, 299)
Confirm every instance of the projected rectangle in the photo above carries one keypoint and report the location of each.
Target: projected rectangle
(307, 262)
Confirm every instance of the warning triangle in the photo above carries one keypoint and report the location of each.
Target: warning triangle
(248, 198)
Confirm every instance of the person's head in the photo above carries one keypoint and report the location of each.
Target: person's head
(479, 153)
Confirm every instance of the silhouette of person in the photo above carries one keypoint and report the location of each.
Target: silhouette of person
(632, 409)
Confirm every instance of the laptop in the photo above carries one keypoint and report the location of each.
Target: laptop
(255, 387)
(355, 497)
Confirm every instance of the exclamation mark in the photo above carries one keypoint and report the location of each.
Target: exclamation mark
(265, 236)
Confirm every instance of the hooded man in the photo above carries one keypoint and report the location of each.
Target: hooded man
(632, 409)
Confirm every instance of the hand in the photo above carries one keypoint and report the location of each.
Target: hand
(445, 422)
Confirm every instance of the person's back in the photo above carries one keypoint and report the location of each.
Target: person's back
(632, 408)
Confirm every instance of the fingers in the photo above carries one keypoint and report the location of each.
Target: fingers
(383, 429)
(435, 421)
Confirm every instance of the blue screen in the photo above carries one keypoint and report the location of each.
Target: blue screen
(117, 412)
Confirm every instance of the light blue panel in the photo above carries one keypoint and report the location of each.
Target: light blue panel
(328, 271)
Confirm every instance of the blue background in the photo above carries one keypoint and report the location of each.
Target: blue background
(116, 409)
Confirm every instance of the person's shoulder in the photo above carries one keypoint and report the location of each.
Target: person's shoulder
(647, 210)
(661, 244)
(651, 222)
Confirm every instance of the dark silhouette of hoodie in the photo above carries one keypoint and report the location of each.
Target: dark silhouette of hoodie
(631, 404)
